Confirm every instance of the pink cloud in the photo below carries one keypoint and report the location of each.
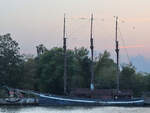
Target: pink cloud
(133, 46)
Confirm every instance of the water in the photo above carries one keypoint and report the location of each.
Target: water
(18, 109)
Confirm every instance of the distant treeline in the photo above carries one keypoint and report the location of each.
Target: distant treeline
(44, 73)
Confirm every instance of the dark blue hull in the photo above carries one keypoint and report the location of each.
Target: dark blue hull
(64, 101)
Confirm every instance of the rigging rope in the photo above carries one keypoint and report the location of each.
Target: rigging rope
(74, 33)
(123, 41)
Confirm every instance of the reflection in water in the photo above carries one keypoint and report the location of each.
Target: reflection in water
(26, 109)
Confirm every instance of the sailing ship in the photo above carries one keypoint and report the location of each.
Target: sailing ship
(117, 99)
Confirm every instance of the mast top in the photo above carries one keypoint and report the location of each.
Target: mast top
(92, 16)
(64, 28)
(91, 25)
(116, 28)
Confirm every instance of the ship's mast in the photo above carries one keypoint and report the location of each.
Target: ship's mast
(92, 47)
(117, 52)
(65, 56)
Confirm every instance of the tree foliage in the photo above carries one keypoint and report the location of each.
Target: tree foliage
(105, 72)
(10, 61)
(51, 67)
(45, 72)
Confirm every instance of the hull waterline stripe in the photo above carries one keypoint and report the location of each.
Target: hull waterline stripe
(65, 99)
(88, 101)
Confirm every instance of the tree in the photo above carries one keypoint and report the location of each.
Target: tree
(105, 72)
(50, 68)
(81, 77)
(127, 77)
(10, 61)
(29, 78)
(147, 82)
(131, 80)
(41, 49)
(50, 71)
(139, 84)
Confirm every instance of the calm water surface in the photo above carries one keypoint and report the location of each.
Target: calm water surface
(16, 109)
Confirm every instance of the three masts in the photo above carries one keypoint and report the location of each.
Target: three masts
(92, 55)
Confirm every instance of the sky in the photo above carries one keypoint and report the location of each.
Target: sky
(32, 22)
